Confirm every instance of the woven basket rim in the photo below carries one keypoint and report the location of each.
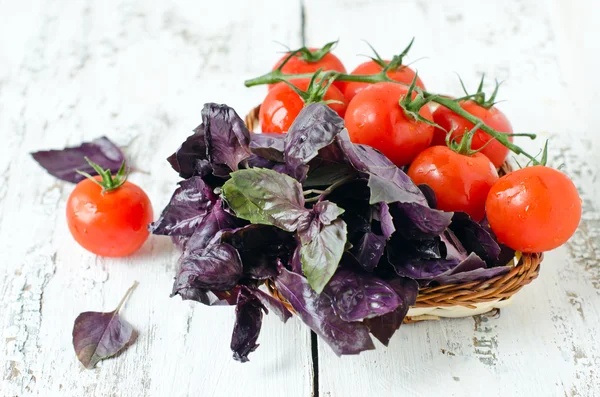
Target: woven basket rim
(523, 272)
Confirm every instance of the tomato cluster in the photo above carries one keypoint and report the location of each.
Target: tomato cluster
(533, 209)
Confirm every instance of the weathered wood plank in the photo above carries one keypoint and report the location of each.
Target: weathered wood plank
(542, 345)
(139, 73)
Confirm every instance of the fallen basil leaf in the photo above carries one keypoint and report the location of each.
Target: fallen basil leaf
(191, 158)
(322, 255)
(217, 267)
(314, 128)
(357, 296)
(316, 311)
(383, 327)
(187, 208)
(266, 197)
(227, 138)
(64, 163)
(248, 321)
(98, 335)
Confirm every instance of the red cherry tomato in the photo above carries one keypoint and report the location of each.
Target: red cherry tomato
(375, 118)
(282, 105)
(403, 74)
(534, 209)
(460, 182)
(110, 224)
(298, 65)
(492, 117)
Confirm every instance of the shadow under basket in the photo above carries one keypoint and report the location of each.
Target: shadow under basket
(455, 300)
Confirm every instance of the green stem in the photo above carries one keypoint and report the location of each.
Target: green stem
(330, 189)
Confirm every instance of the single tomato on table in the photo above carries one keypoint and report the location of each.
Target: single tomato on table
(490, 116)
(461, 182)
(375, 118)
(309, 60)
(282, 105)
(109, 216)
(534, 209)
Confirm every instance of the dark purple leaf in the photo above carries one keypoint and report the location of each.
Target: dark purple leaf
(264, 196)
(248, 321)
(208, 297)
(190, 203)
(322, 255)
(478, 274)
(507, 254)
(383, 327)
(272, 304)
(217, 267)
(255, 161)
(98, 335)
(268, 146)
(296, 260)
(216, 219)
(317, 312)
(475, 238)
(416, 221)
(429, 195)
(356, 296)
(227, 138)
(327, 175)
(368, 250)
(313, 129)
(261, 248)
(322, 213)
(383, 215)
(454, 248)
(64, 163)
(180, 241)
(191, 156)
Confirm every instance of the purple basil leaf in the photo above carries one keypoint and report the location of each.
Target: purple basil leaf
(217, 267)
(296, 260)
(227, 138)
(322, 255)
(417, 221)
(272, 304)
(475, 238)
(429, 195)
(264, 196)
(64, 163)
(261, 248)
(191, 156)
(327, 174)
(478, 274)
(98, 335)
(383, 215)
(216, 219)
(507, 254)
(248, 321)
(453, 246)
(315, 128)
(322, 213)
(208, 297)
(189, 205)
(356, 296)
(268, 146)
(180, 241)
(383, 327)
(369, 250)
(255, 161)
(316, 311)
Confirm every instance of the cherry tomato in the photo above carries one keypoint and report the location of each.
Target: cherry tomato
(112, 223)
(375, 118)
(534, 209)
(460, 182)
(492, 117)
(403, 74)
(282, 104)
(298, 65)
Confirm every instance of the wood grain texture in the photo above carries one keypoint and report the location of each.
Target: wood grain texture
(544, 343)
(138, 72)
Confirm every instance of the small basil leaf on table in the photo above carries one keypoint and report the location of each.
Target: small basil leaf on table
(64, 163)
(263, 196)
(98, 335)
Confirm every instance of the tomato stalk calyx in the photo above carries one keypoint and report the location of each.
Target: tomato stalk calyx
(395, 63)
(464, 146)
(412, 106)
(317, 87)
(108, 182)
(313, 56)
(479, 97)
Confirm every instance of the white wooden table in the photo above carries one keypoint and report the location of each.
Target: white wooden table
(139, 72)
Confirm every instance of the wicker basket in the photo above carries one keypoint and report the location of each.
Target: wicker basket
(456, 300)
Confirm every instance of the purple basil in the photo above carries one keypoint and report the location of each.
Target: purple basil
(268, 146)
(191, 158)
(248, 321)
(64, 163)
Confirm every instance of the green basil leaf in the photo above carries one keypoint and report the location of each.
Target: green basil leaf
(266, 197)
(322, 255)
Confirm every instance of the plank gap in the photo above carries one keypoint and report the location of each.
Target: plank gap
(315, 362)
